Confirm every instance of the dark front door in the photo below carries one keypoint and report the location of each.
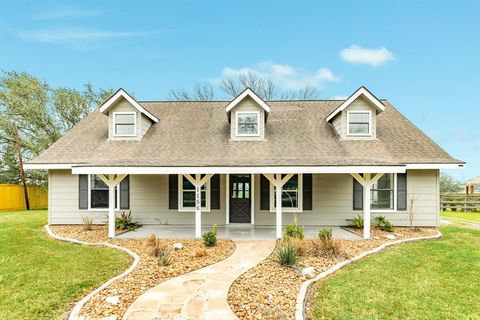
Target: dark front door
(240, 186)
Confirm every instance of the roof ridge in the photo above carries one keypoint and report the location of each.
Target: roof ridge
(227, 101)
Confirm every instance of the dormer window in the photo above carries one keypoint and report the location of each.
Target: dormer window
(248, 123)
(359, 123)
(125, 124)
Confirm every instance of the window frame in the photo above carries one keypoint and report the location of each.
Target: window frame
(369, 112)
(115, 134)
(181, 208)
(299, 207)
(117, 202)
(394, 196)
(247, 134)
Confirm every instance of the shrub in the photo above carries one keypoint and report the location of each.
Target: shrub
(164, 254)
(286, 254)
(200, 252)
(87, 223)
(383, 224)
(357, 221)
(298, 244)
(125, 221)
(152, 245)
(210, 237)
(294, 231)
(325, 234)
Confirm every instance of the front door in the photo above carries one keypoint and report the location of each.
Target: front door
(240, 186)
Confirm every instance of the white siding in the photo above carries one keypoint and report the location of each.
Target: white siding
(143, 123)
(247, 104)
(332, 201)
(341, 125)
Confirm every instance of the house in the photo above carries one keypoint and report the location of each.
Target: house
(245, 161)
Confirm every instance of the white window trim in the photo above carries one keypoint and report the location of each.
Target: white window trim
(115, 134)
(117, 204)
(394, 198)
(369, 124)
(299, 208)
(181, 208)
(244, 134)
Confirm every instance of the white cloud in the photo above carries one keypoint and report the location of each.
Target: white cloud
(284, 75)
(66, 12)
(358, 55)
(74, 36)
(339, 97)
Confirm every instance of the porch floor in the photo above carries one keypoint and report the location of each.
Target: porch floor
(232, 231)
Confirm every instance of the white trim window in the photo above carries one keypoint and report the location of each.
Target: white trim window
(98, 194)
(384, 193)
(292, 191)
(124, 124)
(359, 123)
(186, 195)
(248, 123)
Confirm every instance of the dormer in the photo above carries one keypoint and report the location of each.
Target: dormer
(127, 119)
(356, 117)
(247, 115)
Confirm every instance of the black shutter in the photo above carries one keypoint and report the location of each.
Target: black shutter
(83, 191)
(402, 191)
(264, 193)
(357, 195)
(172, 191)
(125, 193)
(215, 192)
(307, 191)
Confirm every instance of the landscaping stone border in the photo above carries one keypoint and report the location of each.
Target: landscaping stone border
(300, 307)
(75, 311)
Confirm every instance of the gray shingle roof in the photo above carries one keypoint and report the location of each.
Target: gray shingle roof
(197, 134)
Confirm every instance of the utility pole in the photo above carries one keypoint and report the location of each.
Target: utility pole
(20, 161)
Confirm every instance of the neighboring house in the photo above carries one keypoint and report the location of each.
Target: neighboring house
(244, 161)
(472, 186)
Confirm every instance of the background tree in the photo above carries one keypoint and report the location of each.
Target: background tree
(41, 115)
(232, 85)
(449, 184)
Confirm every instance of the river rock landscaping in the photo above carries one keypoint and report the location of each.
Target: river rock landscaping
(269, 290)
(115, 299)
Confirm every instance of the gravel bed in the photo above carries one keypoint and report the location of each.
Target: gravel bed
(147, 274)
(269, 291)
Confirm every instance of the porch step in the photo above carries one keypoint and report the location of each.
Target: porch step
(240, 226)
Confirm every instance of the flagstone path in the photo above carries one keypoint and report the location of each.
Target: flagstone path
(201, 294)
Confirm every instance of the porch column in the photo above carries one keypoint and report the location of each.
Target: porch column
(111, 181)
(366, 181)
(277, 181)
(198, 182)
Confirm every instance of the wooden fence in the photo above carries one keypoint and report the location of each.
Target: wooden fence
(460, 202)
(12, 198)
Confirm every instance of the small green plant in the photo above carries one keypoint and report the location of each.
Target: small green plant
(87, 223)
(383, 224)
(125, 221)
(325, 234)
(164, 254)
(357, 221)
(293, 230)
(287, 254)
(210, 237)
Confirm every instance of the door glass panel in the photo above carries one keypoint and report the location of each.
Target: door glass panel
(240, 190)
(234, 190)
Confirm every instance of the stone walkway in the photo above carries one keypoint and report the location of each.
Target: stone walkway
(201, 294)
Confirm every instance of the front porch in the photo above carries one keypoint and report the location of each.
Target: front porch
(233, 232)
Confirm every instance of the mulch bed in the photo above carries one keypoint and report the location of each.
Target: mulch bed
(269, 290)
(148, 273)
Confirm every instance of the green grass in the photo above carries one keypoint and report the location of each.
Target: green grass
(425, 280)
(473, 216)
(41, 278)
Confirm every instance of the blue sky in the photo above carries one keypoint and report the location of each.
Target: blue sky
(423, 56)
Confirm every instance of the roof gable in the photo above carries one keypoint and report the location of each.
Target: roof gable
(123, 94)
(361, 92)
(247, 92)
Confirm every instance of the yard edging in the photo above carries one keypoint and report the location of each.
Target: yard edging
(74, 312)
(300, 307)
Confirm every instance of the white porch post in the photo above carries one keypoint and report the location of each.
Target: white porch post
(198, 212)
(278, 212)
(111, 209)
(366, 210)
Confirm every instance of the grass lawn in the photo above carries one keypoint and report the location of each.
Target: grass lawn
(473, 216)
(41, 278)
(425, 280)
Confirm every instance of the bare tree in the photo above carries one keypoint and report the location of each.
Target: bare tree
(264, 87)
(306, 93)
(201, 92)
(411, 208)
